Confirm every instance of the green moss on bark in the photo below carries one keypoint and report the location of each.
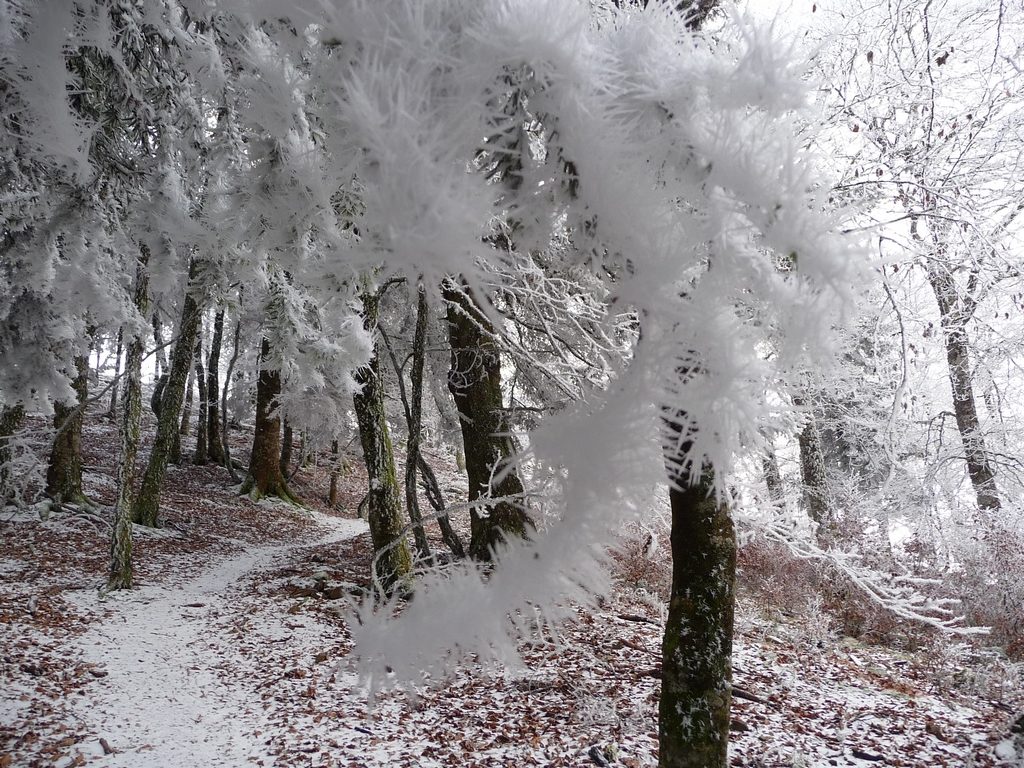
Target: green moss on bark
(265, 478)
(146, 509)
(394, 564)
(697, 647)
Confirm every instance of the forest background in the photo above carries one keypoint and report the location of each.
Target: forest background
(574, 246)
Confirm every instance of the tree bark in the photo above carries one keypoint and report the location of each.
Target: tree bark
(225, 431)
(287, 442)
(696, 685)
(215, 444)
(10, 418)
(954, 319)
(436, 499)
(186, 409)
(332, 494)
(475, 384)
(64, 471)
(812, 470)
(160, 354)
(147, 505)
(265, 477)
(394, 563)
(202, 423)
(115, 386)
(773, 478)
(131, 418)
(412, 451)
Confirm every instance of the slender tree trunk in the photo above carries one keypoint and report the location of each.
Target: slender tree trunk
(436, 499)
(186, 409)
(160, 356)
(287, 441)
(265, 477)
(812, 469)
(215, 443)
(696, 685)
(131, 419)
(412, 451)
(385, 510)
(147, 505)
(954, 328)
(64, 472)
(10, 419)
(225, 427)
(115, 386)
(202, 423)
(475, 384)
(332, 495)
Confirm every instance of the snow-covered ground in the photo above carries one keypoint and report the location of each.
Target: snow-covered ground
(233, 650)
(170, 695)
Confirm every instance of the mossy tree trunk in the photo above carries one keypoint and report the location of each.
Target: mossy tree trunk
(394, 563)
(215, 444)
(147, 505)
(696, 686)
(202, 422)
(475, 384)
(129, 427)
(64, 470)
(264, 477)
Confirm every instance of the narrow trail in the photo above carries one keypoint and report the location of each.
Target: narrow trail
(174, 692)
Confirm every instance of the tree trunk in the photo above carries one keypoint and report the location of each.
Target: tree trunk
(115, 385)
(954, 328)
(186, 410)
(225, 430)
(202, 423)
(215, 444)
(287, 441)
(131, 418)
(10, 418)
(773, 478)
(160, 354)
(394, 563)
(436, 499)
(147, 505)
(332, 495)
(64, 472)
(265, 477)
(412, 451)
(812, 469)
(696, 685)
(475, 384)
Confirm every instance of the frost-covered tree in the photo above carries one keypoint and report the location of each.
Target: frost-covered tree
(686, 183)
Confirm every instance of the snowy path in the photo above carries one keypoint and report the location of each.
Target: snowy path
(174, 692)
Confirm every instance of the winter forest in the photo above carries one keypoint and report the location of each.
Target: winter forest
(512, 383)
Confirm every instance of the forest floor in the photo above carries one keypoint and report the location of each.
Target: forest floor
(233, 650)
